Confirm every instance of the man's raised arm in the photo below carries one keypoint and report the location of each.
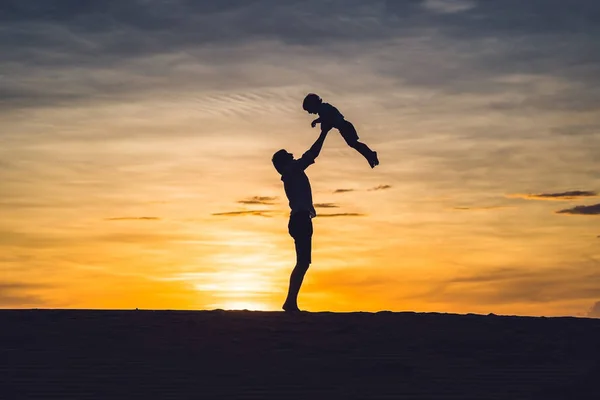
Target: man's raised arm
(315, 149)
(308, 158)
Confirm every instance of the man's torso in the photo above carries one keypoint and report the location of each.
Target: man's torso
(299, 193)
(297, 186)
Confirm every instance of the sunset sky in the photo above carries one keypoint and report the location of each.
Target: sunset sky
(136, 141)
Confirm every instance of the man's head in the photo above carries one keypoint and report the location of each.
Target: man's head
(311, 103)
(281, 159)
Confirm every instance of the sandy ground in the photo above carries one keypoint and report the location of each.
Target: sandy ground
(83, 354)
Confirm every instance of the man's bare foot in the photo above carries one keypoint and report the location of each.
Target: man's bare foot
(290, 308)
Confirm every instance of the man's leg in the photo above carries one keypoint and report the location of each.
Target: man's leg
(301, 231)
(296, 278)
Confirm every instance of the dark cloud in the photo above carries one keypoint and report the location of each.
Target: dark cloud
(133, 219)
(594, 311)
(291, 19)
(341, 215)
(263, 200)
(45, 42)
(326, 205)
(381, 187)
(343, 190)
(574, 194)
(582, 210)
(258, 213)
(142, 26)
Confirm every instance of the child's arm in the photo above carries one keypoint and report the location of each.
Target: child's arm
(315, 122)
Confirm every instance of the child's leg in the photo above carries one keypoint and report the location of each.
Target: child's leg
(362, 149)
(350, 135)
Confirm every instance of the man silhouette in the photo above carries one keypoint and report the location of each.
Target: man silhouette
(299, 194)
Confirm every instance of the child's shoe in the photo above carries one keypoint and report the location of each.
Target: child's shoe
(374, 161)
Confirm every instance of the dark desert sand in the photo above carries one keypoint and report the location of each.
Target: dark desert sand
(83, 354)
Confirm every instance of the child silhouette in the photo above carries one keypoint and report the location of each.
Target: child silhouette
(330, 117)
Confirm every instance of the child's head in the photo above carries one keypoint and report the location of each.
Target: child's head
(311, 103)
(280, 159)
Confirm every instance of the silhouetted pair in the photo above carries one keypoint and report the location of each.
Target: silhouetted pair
(297, 186)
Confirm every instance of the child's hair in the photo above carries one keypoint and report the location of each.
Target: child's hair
(311, 101)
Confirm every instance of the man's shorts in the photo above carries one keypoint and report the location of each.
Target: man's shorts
(300, 228)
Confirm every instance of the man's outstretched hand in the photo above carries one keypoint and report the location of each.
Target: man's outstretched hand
(315, 122)
(315, 149)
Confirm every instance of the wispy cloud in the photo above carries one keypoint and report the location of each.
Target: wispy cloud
(343, 190)
(263, 200)
(381, 187)
(133, 219)
(326, 205)
(341, 215)
(448, 6)
(480, 208)
(255, 200)
(582, 210)
(258, 213)
(571, 195)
